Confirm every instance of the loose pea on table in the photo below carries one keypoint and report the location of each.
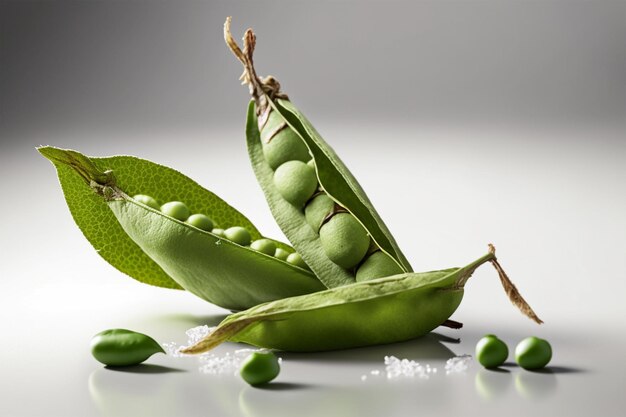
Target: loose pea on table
(344, 263)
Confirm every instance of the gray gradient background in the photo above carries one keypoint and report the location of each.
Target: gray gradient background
(466, 121)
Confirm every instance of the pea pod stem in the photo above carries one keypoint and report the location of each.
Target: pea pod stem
(88, 171)
(260, 90)
(511, 290)
(453, 324)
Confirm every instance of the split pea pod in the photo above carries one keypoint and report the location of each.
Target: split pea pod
(166, 245)
(316, 201)
(379, 311)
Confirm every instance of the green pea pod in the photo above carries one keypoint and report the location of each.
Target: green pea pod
(121, 347)
(384, 310)
(333, 176)
(340, 184)
(290, 219)
(159, 250)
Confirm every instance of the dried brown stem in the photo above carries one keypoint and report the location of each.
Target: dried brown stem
(511, 290)
(452, 324)
(261, 90)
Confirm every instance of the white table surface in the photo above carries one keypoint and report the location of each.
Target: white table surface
(553, 203)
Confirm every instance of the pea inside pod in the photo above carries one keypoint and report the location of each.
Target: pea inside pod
(280, 143)
(265, 246)
(201, 221)
(377, 265)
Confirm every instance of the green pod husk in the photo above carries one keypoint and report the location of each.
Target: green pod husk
(159, 250)
(334, 177)
(339, 183)
(380, 311)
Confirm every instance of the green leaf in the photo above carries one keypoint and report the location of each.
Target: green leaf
(93, 216)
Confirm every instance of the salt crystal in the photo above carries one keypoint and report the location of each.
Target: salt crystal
(404, 368)
(229, 363)
(194, 335)
(172, 349)
(458, 364)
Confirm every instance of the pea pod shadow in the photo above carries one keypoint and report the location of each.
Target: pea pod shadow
(192, 320)
(429, 347)
(144, 368)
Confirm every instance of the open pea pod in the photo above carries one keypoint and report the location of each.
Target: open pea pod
(160, 250)
(384, 310)
(290, 219)
(339, 183)
(306, 185)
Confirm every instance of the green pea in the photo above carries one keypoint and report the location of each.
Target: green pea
(176, 209)
(265, 246)
(238, 234)
(147, 200)
(219, 233)
(311, 163)
(533, 353)
(377, 265)
(317, 209)
(259, 368)
(281, 254)
(283, 146)
(295, 181)
(121, 347)
(296, 259)
(491, 352)
(344, 240)
(201, 222)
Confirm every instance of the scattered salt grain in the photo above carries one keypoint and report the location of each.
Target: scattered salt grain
(458, 364)
(228, 363)
(404, 368)
(194, 335)
(172, 349)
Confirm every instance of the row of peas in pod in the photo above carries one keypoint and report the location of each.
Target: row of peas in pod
(236, 234)
(343, 239)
